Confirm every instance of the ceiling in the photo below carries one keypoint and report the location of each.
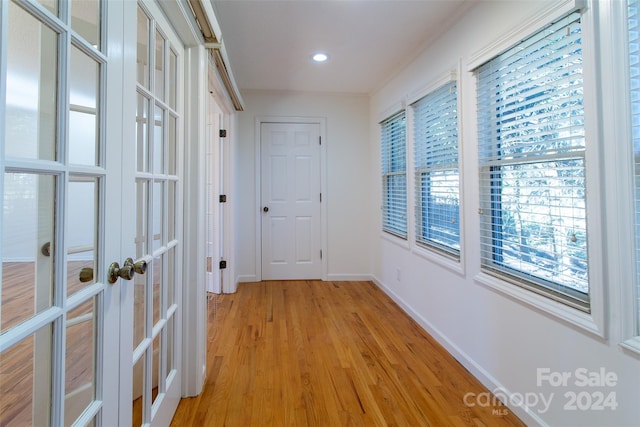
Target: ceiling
(269, 43)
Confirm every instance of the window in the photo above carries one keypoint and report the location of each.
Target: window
(634, 73)
(394, 178)
(436, 170)
(532, 168)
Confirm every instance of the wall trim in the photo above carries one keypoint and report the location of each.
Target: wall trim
(349, 277)
(246, 278)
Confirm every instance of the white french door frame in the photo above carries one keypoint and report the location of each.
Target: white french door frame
(194, 304)
(157, 331)
(193, 308)
(106, 193)
(322, 123)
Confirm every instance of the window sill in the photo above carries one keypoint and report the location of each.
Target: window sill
(449, 262)
(572, 316)
(632, 345)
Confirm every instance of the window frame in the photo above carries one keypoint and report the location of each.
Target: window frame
(627, 216)
(421, 242)
(592, 322)
(388, 154)
(506, 167)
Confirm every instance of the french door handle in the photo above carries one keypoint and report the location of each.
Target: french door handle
(115, 271)
(127, 271)
(86, 274)
(46, 249)
(139, 267)
(265, 209)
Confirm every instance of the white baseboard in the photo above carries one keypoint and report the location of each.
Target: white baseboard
(349, 277)
(526, 415)
(244, 278)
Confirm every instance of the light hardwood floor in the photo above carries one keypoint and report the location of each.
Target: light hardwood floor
(308, 353)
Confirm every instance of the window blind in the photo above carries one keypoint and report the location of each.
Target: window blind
(436, 170)
(532, 171)
(394, 178)
(634, 75)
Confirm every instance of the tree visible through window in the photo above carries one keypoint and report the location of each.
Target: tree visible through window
(436, 170)
(532, 170)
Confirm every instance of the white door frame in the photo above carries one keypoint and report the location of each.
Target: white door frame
(194, 305)
(225, 163)
(214, 207)
(219, 172)
(322, 122)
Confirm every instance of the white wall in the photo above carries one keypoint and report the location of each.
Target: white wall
(500, 340)
(347, 195)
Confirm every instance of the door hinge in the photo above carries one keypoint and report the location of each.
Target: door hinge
(320, 197)
(223, 133)
(223, 198)
(320, 253)
(320, 140)
(223, 264)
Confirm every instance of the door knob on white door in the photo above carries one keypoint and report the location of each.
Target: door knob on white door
(127, 271)
(265, 209)
(139, 267)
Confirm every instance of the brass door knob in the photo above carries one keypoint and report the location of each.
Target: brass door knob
(86, 274)
(115, 271)
(139, 267)
(46, 249)
(127, 271)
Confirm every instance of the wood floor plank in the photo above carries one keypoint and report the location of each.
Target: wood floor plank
(310, 353)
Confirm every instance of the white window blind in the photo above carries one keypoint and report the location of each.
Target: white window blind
(634, 74)
(532, 171)
(436, 170)
(394, 178)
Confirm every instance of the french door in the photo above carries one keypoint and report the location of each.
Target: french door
(151, 312)
(60, 145)
(88, 336)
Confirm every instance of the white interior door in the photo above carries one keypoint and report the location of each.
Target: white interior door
(215, 212)
(152, 319)
(60, 145)
(291, 246)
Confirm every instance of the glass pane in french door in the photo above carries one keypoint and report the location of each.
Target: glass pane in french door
(31, 89)
(156, 240)
(53, 181)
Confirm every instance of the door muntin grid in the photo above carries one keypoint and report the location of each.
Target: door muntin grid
(57, 335)
(156, 241)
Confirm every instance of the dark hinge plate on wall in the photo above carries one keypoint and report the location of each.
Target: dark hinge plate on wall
(223, 264)
(223, 133)
(320, 253)
(223, 198)
(320, 140)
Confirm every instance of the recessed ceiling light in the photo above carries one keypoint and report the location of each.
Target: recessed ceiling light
(320, 57)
